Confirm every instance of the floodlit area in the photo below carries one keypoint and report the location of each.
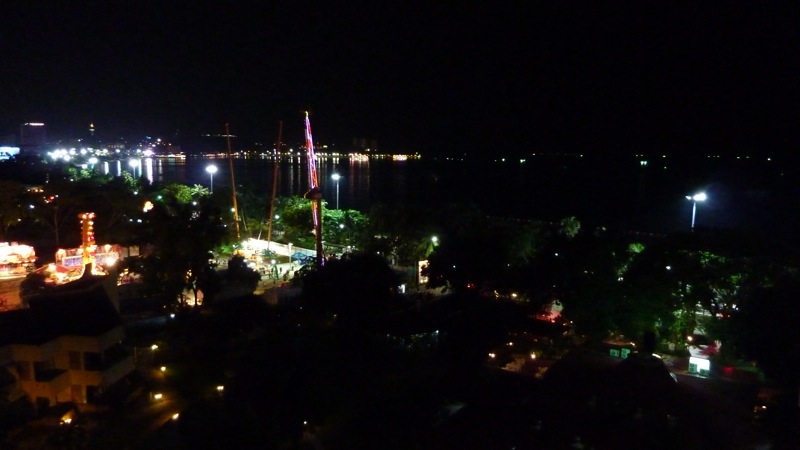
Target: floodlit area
(16, 259)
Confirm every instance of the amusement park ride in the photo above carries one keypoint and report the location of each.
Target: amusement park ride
(314, 193)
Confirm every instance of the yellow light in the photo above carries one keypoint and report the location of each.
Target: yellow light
(163, 368)
(220, 388)
(154, 347)
(175, 416)
(158, 396)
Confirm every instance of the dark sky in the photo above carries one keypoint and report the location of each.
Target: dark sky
(497, 77)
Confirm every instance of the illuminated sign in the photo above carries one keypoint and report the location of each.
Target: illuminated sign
(699, 365)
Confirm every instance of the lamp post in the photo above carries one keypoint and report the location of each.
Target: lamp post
(699, 197)
(336, 178)
(432, 245)
(211, 169)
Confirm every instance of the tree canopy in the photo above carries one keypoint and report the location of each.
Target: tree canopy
(178, 238)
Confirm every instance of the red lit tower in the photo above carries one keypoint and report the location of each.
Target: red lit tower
(87, 237)
(314, 193)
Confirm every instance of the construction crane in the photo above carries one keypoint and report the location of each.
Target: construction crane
(314, 193)
(233, 182)
(275, 155)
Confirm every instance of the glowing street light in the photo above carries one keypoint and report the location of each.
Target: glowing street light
(211, 169)
(699, 197)
(336, 177)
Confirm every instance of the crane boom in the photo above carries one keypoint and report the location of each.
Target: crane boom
(233, 182)
(274, 183)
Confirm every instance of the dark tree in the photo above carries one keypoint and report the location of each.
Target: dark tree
(767, 332)
(484, 254)
(179, 237)
(357, 287)
(238, 273)
(12, 206)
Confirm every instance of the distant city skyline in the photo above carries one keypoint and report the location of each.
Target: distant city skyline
(503, 79)
(40, 140)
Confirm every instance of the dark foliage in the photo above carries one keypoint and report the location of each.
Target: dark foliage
(357, 287)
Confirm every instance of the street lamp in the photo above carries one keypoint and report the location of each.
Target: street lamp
(431, 246)
(336, 178)
(700, 197)
(211, 169)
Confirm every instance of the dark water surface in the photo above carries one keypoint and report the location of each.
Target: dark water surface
(621, 193)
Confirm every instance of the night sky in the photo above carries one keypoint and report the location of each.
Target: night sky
(497, 77)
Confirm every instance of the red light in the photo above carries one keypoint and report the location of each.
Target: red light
(87, 225)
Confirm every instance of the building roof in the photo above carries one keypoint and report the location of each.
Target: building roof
(84, 309)
(19, 327)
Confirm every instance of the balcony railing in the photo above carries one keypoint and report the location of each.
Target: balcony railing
(111, 357)
(48, 375)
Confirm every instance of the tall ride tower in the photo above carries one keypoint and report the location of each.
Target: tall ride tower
(314, 193)
(88, 243)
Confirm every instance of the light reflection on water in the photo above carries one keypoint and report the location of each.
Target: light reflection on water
(256, 175)
(613, 193)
